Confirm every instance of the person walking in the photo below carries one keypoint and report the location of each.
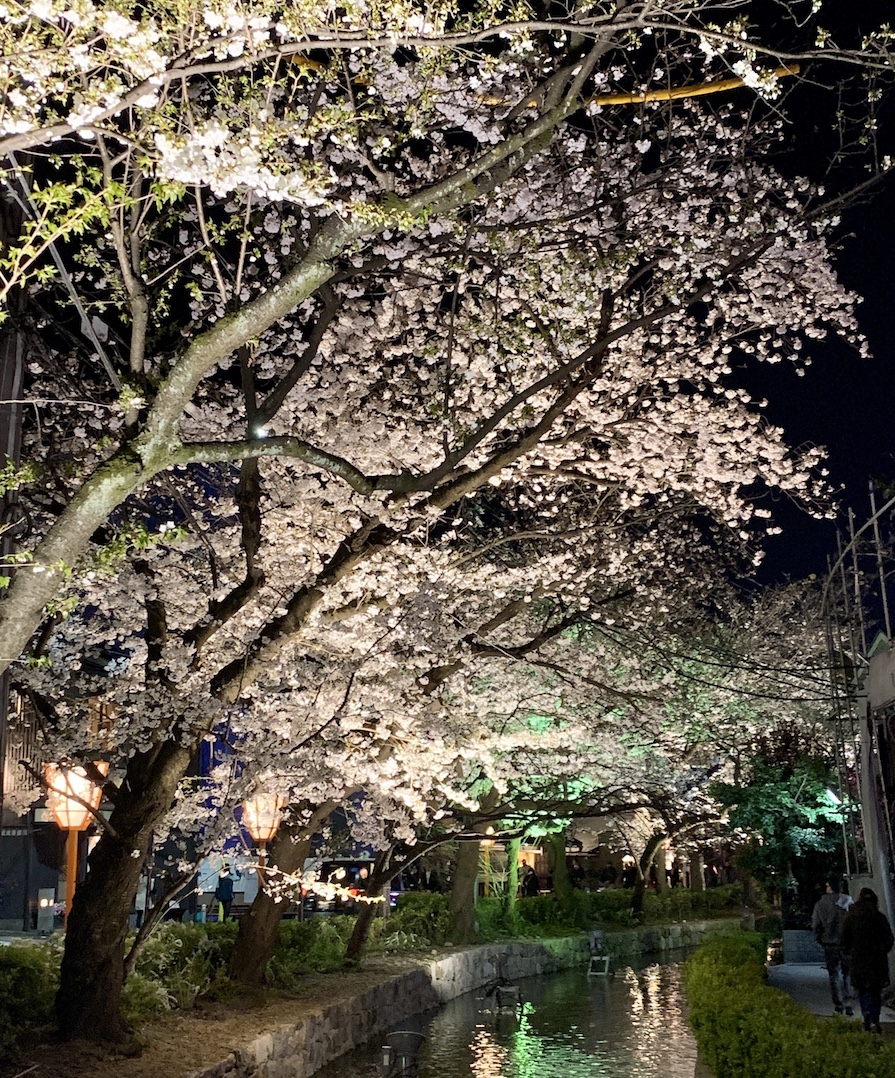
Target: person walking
(866, 938)
(826, 921)
(224, 892)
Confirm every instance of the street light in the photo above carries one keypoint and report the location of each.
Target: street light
(72, 798)
(262, 815)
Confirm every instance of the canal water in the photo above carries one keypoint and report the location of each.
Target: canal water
(631, 1024)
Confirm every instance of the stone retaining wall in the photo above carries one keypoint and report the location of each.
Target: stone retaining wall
(299, 1050)
(651, 939)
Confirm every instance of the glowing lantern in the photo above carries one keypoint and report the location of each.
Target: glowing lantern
(262, 815)
(72, 798)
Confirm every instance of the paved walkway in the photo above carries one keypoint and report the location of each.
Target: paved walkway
(809, 986)
(9, 937)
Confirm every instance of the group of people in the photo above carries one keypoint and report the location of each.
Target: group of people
(856, 938)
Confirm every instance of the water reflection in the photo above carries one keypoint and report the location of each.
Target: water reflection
(570, 1025)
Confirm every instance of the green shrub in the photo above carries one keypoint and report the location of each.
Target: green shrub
(427, 916)
(580, 914)
(745, 1029)
(421, 914)
(29, 977)
(494, 920)
(769, 927)
(720, 900)
(544, 915)
(401, 942)
(537, 911)
(315, 946)
(613, 907)
(682, 905)
(679, 905)
(181, 961)
(144, 998)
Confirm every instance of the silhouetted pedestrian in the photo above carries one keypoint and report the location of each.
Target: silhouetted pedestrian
(576, 873)
(826, 921)
(867, 938)
(530, 885)
(224, 891)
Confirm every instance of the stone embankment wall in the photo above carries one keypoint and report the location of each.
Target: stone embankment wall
(298, 1051)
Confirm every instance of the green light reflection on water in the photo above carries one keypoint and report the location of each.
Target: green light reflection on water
(632, 1025)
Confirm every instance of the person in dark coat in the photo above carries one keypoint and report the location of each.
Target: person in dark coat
(530, 885)
(224, 892)
(866, 937)
(576, 873)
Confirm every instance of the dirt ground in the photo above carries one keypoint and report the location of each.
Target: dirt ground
(181, 1043)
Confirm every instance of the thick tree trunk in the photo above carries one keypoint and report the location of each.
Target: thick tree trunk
(750, 890)
(513, 847)
(258, 929)
(646, 860)
(465, 881)
(556, 859)
(92, 973)
(662, 886)
(463, 888)
(637, 895)
(358, 939)
(377, 885)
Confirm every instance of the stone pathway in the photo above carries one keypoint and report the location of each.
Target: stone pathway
(809, 986)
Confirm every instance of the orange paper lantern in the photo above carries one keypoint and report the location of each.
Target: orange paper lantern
(69, 794)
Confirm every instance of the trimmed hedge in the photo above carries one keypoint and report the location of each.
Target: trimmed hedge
(612, 908)
(745, 1029)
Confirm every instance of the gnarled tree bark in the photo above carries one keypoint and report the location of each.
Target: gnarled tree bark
(258, 929)
(377, 884)
(556, 858)
(463, 886)
(92, 973)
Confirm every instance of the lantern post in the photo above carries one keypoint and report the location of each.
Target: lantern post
(72, 798)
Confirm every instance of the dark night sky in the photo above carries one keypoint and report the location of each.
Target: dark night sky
(843, 402)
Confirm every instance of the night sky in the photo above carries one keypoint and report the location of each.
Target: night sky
(842, 402)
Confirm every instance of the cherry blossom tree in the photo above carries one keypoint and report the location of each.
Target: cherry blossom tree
(364, 124)
(541, 740)
(405, 356)
(527, 737)
(611, 434)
